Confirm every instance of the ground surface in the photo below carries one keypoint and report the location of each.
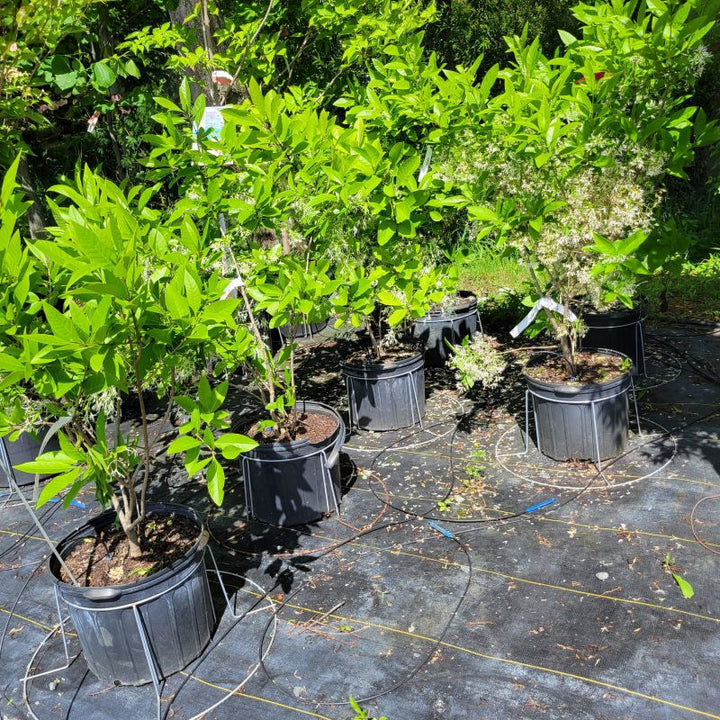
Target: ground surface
(566, 612)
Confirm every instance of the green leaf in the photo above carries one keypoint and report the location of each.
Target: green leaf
(233, 444)
(205, 394)
(185, 96)
(183, 443)
(47, 463)
(685, 587)
(61, 325)
(167, 104)
(605, 246)
(102, 75)
(175, 303)
(480, 212)
(404, 208)
(566, 37)
(194, 466)
(132, 69)
(388, 298)
(58, 484)
(193, 292)
(397, 316)
(256, 95)
(8, 184)
(386, 231)
(216, 482)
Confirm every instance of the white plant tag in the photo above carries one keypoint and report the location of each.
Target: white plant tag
(543, 302)
(232, 288)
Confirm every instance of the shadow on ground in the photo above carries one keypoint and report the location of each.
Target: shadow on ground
(438, 592)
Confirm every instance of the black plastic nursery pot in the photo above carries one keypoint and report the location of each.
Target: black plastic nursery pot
(279, 336)
(438, 328)
(173, 606)
(296, 482)
(25, 449)
(575, 421)
(619, 330)
(386, 396)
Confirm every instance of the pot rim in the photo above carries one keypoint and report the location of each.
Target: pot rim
(104, 519)
(468, 308)
(363, 370)
(570, 386)
(302, 443)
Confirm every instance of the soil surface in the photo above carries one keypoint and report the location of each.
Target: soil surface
(105, 559)
(592, 368)
(311, 426)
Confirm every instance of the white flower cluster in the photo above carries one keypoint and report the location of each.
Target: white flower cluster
(477, 361)
(613, 199)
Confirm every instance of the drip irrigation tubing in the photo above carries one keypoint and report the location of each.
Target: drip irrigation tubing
(22, 537)
(697, 537)
(295, 559)
(552, 504)
(693, 361)
(408, 676)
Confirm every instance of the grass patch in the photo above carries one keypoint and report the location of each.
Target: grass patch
(487, 272)
(500, 283)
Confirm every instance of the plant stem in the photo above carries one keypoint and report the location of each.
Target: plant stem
(566, 344)
(136, 349)
(270, 385)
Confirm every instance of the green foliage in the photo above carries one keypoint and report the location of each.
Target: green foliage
(360, 713)
(120, 300)
(466, 29)
(198, 441)
(565, 165)
(300, 179)
(49, 68)
(301, 47)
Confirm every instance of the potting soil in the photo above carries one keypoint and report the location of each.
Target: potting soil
(465, 577)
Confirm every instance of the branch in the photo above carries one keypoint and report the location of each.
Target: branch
(251, 41)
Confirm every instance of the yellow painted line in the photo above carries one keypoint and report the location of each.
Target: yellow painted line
(546, 517)
(17, 534)
(644, 533)
(459, 648)
(538, 583)
(255, 697)
(43, 626)
(585, 593)
(515, 663)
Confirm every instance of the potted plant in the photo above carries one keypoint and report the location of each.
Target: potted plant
(292, 476)
(262, 186)
(385, 377)
(569, 180)
(447, 323)
(390, 281)
(124, 303)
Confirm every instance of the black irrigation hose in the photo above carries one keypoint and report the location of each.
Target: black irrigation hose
(527, 512)
(51, 510)
(437, 641)
(15, 604)
(426, 516)
(690, 359)
(407, 677)
(190, 670)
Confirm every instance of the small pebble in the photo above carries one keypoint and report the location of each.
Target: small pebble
(602, 576)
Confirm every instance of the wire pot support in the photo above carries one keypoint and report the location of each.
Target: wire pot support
(593, 403)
